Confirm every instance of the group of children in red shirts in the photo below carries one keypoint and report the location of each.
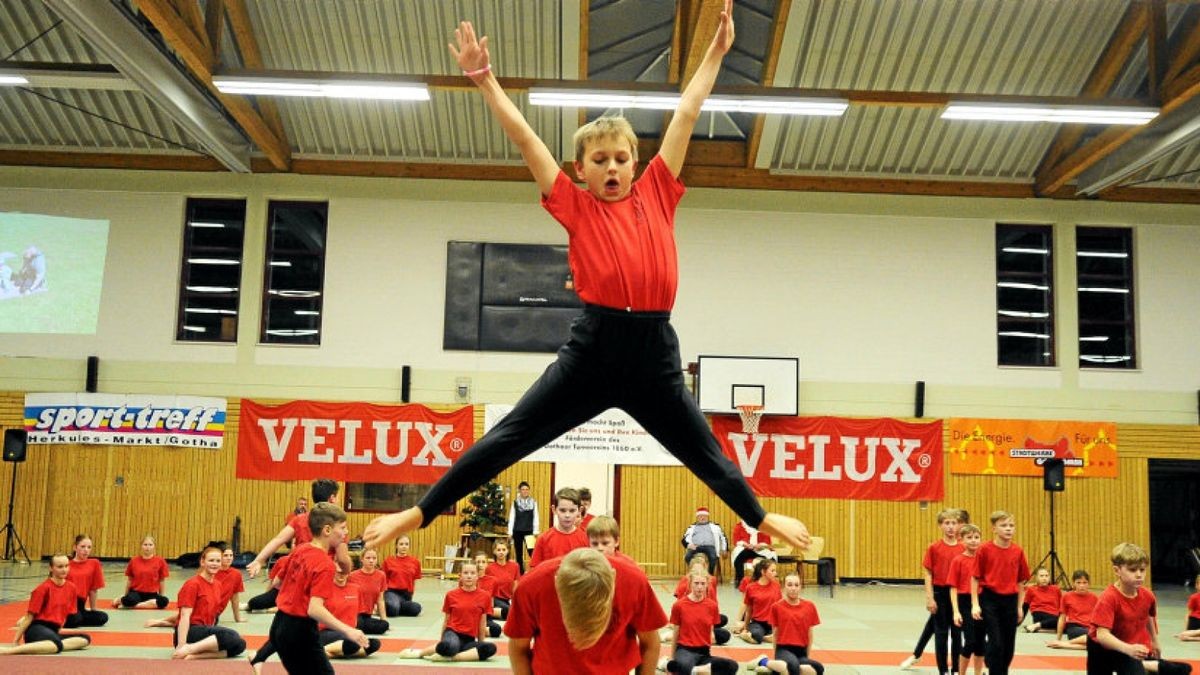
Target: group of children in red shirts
(978, 594)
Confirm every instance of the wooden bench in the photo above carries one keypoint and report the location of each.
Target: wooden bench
(441, 571)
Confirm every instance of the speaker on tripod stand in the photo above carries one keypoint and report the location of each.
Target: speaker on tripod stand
(15, 443)
(1054, 480)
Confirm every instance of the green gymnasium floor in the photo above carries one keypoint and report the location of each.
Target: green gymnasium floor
(865, 629)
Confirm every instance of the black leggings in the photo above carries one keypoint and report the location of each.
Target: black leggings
(502, 605)
(1101, 661)
(330, 636)
(518, 542)
(945, 631)
(372, 626)
(228, 640)
(926, 636)
(85, 617)
(44, 631)
(973, 633)
(135, 598)
(1074, 630)
(795, 656)
(263, 601)
(399, 603)
(453, 643)
(1044, 620)
(686, 658)
(1000, 622)
(1193, 622)
(613, 359)
(295, 640)
(759, 630)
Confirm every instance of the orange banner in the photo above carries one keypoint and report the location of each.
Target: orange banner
(1020, 447)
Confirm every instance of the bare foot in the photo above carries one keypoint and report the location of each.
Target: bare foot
(116, 604)
(386, 528)
(786, 528)
(256, 667)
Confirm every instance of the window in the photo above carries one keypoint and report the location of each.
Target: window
(211, 271)
(1104, 283)
(1025, 295)
(387, 497)
(294, 278)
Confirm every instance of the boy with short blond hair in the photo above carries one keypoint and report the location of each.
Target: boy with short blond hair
(622, 351)
(306, 587)
(998, 591)
(1124, 633)
(962, 569)
(936, 568)
(604, 535)
(566, 535)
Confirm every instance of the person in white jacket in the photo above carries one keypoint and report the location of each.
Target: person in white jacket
(704, 537)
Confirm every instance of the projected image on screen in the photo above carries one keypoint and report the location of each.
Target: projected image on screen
(51, 269)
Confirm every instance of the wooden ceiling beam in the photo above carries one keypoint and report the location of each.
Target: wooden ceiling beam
(693, 175)
(214, 24)
(705, 18)
(247, 43)
(201, 62)
(1127, 35)
(1186, 52)
(1156, 47)
(770, 65)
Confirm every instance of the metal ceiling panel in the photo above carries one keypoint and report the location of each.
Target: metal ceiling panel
(962, 46)
(406, 37)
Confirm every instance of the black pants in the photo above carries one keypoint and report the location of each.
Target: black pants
(1074, 630)
(372, 626)
(926, 636)
(453, 643)
(518, 542)
(135, 598)
(972, 631)
(795, 656)
(85, 617)
(1044, 620)
(400, 603)
(228, 640)
(945, 631)
(613, 359)
(1000, 622)
(1101, 661)
(686, 658)
(263, 601)
(330, 636)
(296, 641)
(503, 605)
(1193, 623)
(44, 631)
(759, 630)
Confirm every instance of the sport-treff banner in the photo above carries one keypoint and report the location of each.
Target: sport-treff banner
(125, 419)
(612, 437)
(354, 442)
(835, 457)
(1020, 447)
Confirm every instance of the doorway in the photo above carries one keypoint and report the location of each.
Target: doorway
(1174, 519)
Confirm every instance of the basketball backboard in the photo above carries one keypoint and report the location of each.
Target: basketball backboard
(725, 382)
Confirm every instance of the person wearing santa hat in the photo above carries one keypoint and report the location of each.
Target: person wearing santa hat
(704, 537)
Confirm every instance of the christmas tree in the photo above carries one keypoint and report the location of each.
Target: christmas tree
(485, 509)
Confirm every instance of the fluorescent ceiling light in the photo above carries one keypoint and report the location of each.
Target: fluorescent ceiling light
(1094, 338)
(1018, 249)
(292, 332)
(213, 261)
(212, 289)
(209, 310)
(1094, 358)
(1102, 289)
(312, 312)
(195, 329)
(1100, 254)
(293, 294)
(1023, 334)
(12, 80)
(281, 263)
(197, 223)
(649, 100)
(1023, 315)
(1022, 286)
(1020, 112)
(264, 85)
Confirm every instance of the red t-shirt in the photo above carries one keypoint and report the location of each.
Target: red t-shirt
(204, 597)
(488, 584)
(309, 574)
(684, 587)
(554, 543)
(1078, 607)
(793, 623)
(402, 573)
(87, 576)
(343, 604)
(504, 576)
(937, 560)
(303, 535)
(146, 574)
(622, 254)
(1125, 617)
(962, 568)
(463, 609)
(53, 603)
(279, 567)
(760, 597)
(536, 614)
(1194, 605)
(695, 620)
(230, 581)
(746, 581)
(1045, 599)
(1001, 570)
(369, 588)
(583, 522)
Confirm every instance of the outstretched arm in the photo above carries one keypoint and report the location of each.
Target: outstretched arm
(679, 131)
(472, 56)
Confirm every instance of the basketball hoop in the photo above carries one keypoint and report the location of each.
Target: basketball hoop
(750, 415)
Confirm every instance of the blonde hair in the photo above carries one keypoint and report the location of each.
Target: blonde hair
(998, 516)
(604, 127)
(602, 525)
(585, 584)
(947, 514)
(1129, 555)
(969, 528)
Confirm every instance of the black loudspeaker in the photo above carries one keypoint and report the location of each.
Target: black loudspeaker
(405, 384)
(15, 441)
(1053, 479)
(919, 410)
(93, 373)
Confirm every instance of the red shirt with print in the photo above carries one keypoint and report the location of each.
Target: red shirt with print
(309, 574)
(369, 588)
(343, 604)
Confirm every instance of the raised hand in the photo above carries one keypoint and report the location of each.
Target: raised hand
(471, 53)
(723, 40)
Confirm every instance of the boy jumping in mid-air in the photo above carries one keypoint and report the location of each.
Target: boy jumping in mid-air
(622, 351)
